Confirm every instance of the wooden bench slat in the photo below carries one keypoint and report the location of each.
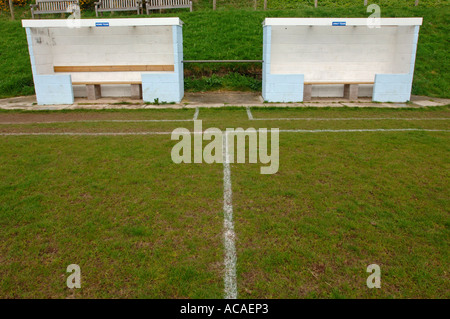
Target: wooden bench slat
(106, 83)
(113, 68)
(118, 5)
(336, 82)
(167, 4)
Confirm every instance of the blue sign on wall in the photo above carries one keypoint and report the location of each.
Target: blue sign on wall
(339, 24)
(102, 24)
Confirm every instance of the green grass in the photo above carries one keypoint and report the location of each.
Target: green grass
(141, 226)
(109, 206)
(241, 38)
(283, 4)
(15, 67)
(339, 204)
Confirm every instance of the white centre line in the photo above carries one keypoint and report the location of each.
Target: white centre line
(228, 227)
(197, 110)
(249, 114)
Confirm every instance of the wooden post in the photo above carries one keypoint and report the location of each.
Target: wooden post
(365, 3)
(265, 4)
(214, 4)
(417, 3)
(11, 9)
(315, 3)
(255, 4)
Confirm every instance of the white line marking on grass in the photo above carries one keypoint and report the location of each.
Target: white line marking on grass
(168, 133)
(229, 235)
(365, 130)
(196, 114)
(351, 119)
(93, 121)
(85, 133)
(249, 114)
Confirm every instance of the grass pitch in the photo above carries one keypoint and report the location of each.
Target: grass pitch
(141, 226)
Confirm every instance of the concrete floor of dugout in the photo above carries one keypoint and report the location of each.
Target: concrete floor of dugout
(211, 99)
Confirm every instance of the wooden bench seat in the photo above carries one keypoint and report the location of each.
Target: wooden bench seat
(53, 6)
(114, 68)
(117, 5)
(351, 88)
(167, 4)
(106, 82)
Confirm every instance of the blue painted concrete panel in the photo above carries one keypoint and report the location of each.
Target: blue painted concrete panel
(283, 88)
(156, 77)
(392, 87)
(53, 89)
(164, 87)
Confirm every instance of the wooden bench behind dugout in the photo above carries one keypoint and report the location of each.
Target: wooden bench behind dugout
(53, 6)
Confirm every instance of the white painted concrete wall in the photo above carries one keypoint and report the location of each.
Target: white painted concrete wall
(404, 50)
(42, 51)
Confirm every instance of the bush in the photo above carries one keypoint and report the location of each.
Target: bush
(4, 4)
(87, 4)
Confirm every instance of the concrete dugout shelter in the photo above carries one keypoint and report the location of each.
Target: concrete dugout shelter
(335, 57)
(141, 58)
